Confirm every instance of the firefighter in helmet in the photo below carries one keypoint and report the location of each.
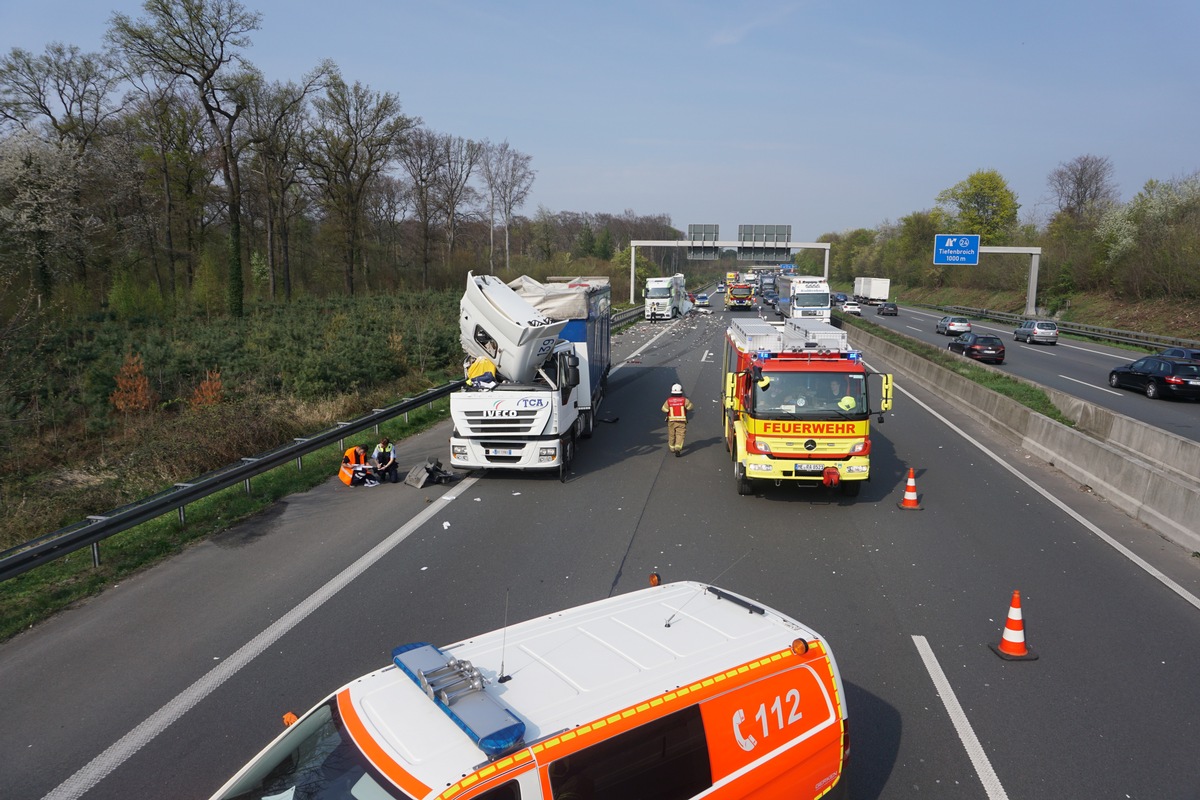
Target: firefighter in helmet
(676, 408)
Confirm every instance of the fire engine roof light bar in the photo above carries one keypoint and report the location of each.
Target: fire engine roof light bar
(457, 688)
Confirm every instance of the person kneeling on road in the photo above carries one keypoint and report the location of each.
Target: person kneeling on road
(355, 471)
(384, 457)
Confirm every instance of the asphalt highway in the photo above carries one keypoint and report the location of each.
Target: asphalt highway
(164, 685)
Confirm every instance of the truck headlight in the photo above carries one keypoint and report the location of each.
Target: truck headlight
(458, 450)
(547, 453)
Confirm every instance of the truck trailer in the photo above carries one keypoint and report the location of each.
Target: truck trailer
(872, 291)
(544, 348)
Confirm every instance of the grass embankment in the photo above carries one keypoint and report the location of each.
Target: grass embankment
(1023, 393)
(41, 592)
(1161, 317)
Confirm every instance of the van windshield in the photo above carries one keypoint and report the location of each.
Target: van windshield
(315, 760)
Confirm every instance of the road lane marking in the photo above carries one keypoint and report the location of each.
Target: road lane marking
(643, 348)
(958, 717)
(1033, 349)
(1090, 385)
(1118, 356)
(117, 753)
(1151, 570)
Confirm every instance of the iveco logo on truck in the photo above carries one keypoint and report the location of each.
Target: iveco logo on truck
(499, 412)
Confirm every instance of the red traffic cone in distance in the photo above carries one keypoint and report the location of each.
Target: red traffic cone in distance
(1012, 645)
(910, 501)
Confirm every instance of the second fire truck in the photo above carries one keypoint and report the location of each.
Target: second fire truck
(797, 405)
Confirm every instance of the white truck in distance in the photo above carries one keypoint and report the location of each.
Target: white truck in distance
(808, 297)
(666, 298)
(872, 291)
(549, 345)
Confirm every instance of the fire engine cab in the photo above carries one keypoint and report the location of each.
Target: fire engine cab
(797, 405)
(677, 691)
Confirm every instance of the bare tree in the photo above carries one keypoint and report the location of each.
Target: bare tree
(421, 156)
(1083, 186)
(200, 40)
(508, 178)
(357, 135)
(278, 126)
(452, 185)
(387, 205)
(72, 92)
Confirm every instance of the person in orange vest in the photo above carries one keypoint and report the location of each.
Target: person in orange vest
(676, 408)
(355, 470)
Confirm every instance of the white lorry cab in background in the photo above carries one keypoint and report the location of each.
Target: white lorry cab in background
(666, 298)
(676, 691)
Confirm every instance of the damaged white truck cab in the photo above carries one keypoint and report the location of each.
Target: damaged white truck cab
(549, 345)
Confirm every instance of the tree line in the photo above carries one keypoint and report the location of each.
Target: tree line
(1142, 249)
(170, 163)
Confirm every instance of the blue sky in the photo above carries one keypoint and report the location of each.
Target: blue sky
(826, 116)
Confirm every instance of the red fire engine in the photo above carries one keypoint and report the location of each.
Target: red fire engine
(797, 405)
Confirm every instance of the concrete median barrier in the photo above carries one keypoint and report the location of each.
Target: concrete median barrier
(1148, 473)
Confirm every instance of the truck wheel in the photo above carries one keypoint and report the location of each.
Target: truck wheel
(568, 455)
(740, 479)
(588, 423)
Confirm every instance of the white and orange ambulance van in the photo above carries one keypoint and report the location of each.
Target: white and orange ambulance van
(681, 690)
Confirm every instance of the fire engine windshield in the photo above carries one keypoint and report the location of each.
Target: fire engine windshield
(811, 394)
(741, 291)
(315, 760)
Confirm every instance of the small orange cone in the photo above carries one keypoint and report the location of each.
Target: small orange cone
(1012, 643)
(910, 494)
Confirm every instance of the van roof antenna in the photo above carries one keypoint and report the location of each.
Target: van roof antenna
(671, 618)
(504, 638)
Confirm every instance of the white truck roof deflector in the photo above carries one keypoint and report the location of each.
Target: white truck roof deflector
(497, 323)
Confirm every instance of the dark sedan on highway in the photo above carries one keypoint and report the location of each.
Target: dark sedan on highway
(887, 310)
(980, 346)
(1159, 376)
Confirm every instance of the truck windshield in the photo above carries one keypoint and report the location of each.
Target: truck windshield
(812, 394)
(658, 292)
(810, 300)
(315, 760)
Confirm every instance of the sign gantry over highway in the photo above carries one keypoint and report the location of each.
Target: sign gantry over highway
(761, 251)
(956, 248)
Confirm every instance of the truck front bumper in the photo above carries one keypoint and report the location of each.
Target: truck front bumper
(854, 468)
(507, 454)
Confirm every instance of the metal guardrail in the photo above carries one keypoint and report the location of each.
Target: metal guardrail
(94, 529)
(1090, 331)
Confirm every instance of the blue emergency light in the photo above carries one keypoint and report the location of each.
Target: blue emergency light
(457, 688)
(854, 355)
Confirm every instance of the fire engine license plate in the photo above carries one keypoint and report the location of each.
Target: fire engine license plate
(495, 451)
(809, 467)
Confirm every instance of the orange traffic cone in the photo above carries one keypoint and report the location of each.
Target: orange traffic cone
(1012, 643)
(910, 494)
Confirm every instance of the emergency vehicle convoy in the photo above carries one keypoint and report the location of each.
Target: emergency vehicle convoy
(796, 405)
(680, 690)
(546, 348)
